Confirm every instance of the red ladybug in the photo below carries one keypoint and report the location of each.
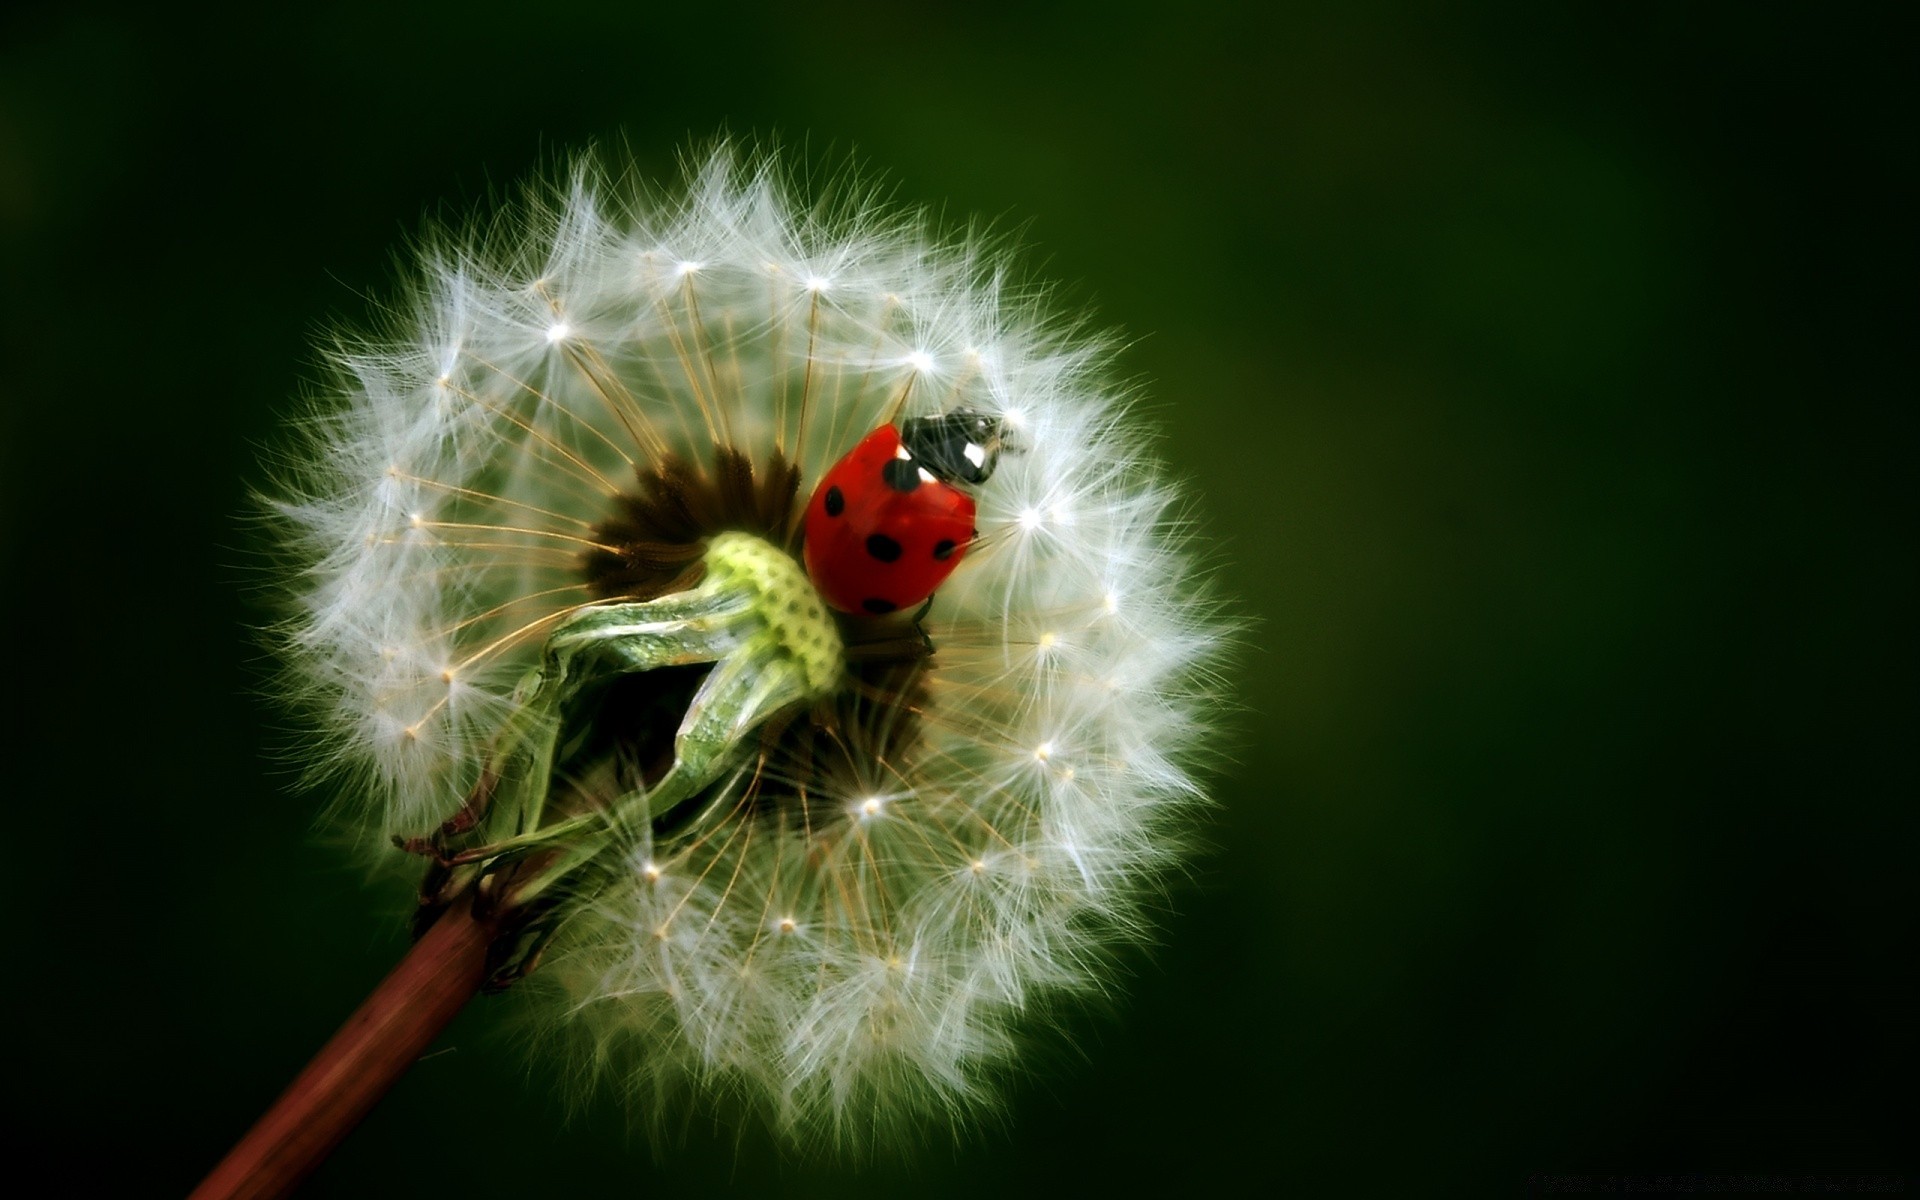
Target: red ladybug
(889, 522)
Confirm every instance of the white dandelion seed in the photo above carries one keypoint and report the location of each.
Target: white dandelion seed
(843, 915)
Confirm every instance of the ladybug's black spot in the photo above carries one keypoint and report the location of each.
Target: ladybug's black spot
(836, 503)
(883, 547)
(901, 474)
(877, 606)
(944, 548)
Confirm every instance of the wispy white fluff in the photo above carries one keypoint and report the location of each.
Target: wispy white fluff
(854, 976)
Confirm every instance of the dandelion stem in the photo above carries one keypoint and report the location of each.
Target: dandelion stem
(350, 1074)
(755, 616)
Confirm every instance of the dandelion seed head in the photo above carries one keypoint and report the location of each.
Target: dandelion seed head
(898, 874)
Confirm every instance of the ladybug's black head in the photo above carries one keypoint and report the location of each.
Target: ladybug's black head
(958, 447)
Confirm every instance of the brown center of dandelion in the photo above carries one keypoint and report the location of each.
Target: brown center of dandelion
(659, 530)
(654, 544)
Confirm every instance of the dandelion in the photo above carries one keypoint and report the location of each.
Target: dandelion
(554, 620)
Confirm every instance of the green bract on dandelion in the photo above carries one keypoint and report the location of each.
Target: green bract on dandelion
(809, 778)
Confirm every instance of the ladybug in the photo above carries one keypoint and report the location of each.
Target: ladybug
(890, 521)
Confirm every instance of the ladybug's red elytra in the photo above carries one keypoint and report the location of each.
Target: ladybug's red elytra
(890, 521)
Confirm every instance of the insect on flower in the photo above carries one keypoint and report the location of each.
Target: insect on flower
(769, 831)
(889, 522)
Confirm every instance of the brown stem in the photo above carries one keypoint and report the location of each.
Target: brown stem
(372, 1050)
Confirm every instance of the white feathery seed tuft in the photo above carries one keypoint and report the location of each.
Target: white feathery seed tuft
(854, 957)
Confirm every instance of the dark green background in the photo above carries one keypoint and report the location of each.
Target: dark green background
(1543, 379)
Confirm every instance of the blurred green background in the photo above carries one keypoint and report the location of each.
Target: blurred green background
(1534, 369)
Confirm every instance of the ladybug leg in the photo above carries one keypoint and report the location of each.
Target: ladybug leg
(926, 639)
